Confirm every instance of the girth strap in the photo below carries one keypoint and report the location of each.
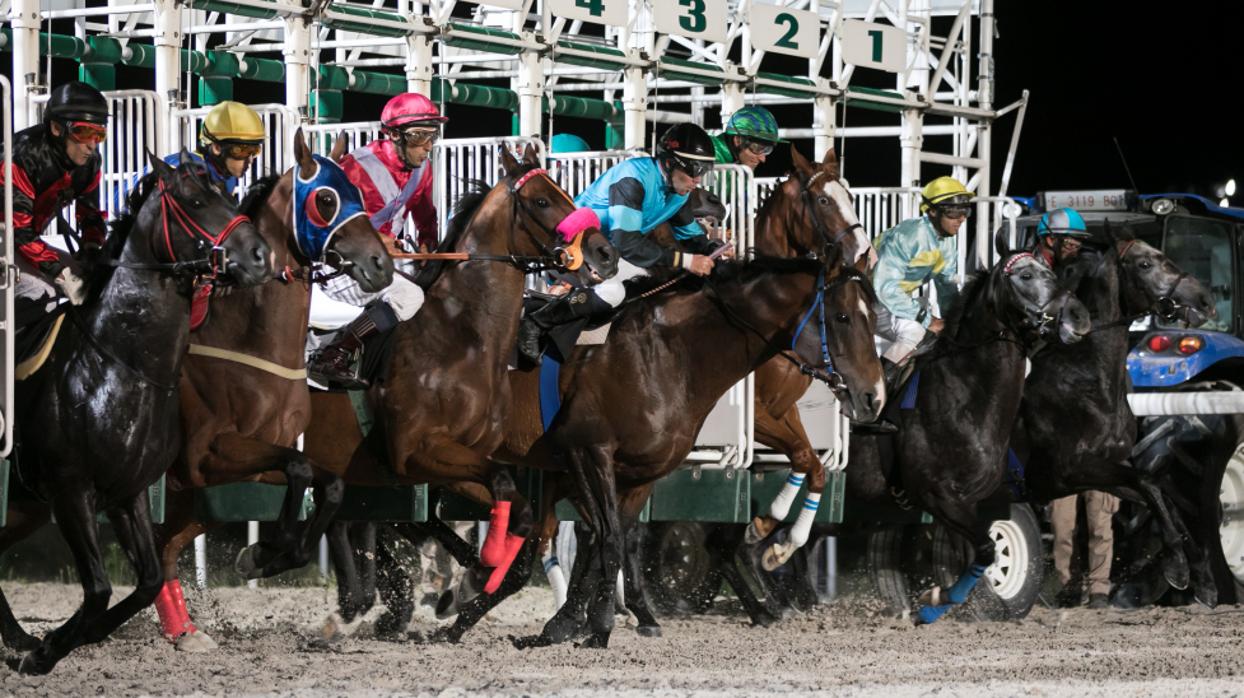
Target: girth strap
(293, 374)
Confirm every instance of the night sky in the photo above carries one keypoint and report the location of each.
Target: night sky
(1163, 84)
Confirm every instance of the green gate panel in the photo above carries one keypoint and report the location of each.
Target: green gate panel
(399, 503)
(155, 501)
(766, 485)
(452, 507)
(689, 494)
(243, 501)
(567, 512)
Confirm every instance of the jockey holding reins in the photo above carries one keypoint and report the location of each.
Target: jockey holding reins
(394, 174)
(631, 199)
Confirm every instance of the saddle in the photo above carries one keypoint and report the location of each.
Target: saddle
(34, 341)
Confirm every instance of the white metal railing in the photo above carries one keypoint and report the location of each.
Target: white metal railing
(132, 133)
(458, 162)
(7, 272)
(574, 172)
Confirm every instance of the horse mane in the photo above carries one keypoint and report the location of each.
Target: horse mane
(257, 194)
(465, 209)
(977, 285)
(119, 232)
(725, 271)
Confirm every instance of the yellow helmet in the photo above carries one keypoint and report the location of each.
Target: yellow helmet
(943, 190)
(232, 121)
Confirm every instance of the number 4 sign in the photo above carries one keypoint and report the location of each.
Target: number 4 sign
(611, 12)
(780, 29)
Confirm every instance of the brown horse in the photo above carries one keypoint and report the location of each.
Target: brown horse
(744, 314)
(441, 410)
(244, 396)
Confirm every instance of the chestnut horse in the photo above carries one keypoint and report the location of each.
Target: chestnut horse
(244, 396)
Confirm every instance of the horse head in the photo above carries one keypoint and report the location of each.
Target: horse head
(1026, 297)
(811, 215)
(330, 223)
(192, 223)
(552, 226)
(1152, 282)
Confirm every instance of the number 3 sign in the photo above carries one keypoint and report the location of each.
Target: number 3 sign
(694, 19)
(784, 30)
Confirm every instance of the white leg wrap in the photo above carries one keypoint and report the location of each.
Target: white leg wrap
(803, 524)
(619, 591)
(781, 503)
(557, 579)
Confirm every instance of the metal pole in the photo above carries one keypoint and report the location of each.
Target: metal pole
(635, 104)
(167, 41)
(419, 64)
(200, 561)
(297, 53)
(24, 19)
(252, 537)
(984, 141)
(529, 84)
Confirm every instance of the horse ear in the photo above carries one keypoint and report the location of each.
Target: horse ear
(802, 166)
(339, 148)
(507, 160)
(302, 155)
(531, 156)
(161, 168)
(1000, 242)
(829, 165)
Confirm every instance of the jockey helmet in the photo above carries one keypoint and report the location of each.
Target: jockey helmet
(754, 123)
(410, 109)
(76, 101)
(568, 143)
(944, 192)
(230, 123)
(688, 148)
(1063, 221)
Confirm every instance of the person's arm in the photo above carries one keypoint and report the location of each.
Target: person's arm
(25, 237)
(423, 211)
(888, 279)
(372, 201)
(626, 202)
(946, 282)
(88, 218)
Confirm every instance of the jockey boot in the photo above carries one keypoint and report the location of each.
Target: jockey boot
(576, 306)
(331, 364)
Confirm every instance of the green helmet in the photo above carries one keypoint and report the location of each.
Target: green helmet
(754, 122)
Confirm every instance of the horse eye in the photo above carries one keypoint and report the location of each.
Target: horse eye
(823, 200)
(542, 202)
(1026, 276)
(1145, 264)
(842, 317)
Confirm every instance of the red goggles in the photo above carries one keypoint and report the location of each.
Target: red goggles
(241, 151)
(87, 132)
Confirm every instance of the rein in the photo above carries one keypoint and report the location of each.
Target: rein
(105, 353)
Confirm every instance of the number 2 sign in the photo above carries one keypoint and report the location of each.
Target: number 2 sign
(694, 19)
(780, 29)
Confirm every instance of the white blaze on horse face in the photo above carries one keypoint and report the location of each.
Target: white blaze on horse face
(860, 245)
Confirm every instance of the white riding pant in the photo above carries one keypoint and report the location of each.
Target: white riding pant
(611, 290)
(896, 337)
(403, 295)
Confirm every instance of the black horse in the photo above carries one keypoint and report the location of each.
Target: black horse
(1076, 430)
(98, 423)
(957, 411)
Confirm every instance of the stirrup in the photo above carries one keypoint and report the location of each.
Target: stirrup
(881, 426)
(332, 374)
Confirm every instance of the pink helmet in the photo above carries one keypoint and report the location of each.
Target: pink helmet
(410, 108)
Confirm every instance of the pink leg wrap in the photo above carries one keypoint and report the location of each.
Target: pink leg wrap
(513, 544)
(493, 552)
(171, 607)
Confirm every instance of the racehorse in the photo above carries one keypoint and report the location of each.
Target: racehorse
(244, 397)
(440, 411)
(959, 407)
(1076, 430)
(744, 314)
(99, 420)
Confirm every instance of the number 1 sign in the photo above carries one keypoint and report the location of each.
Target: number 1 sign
(784, 30)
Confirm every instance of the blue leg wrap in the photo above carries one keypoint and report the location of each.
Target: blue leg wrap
(930, 614)
(959, 592)
(550, 564)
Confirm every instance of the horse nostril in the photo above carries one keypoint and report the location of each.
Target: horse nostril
(257, 253)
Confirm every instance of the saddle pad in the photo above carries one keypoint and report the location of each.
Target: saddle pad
(550, 391)
(34, 361)
(596, 337)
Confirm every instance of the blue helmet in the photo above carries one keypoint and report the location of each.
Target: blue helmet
(1063, 221)
(567, 143)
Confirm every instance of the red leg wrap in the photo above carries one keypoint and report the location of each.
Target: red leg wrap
(493, 552)
(513, 544)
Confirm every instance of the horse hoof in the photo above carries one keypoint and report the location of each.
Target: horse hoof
(24, 643)
(649, 631)
(596, 641)
(765, 619)
(931, 597)
(197, 641)
(447, 605)
(336, 627)
(36, 663)
(753, 535)
(530, 641)
(246, 564)
(775, 556)
(1175, 570)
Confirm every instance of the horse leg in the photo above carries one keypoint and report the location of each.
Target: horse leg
(788, 435)
(594, 470)
(721, 547)
(803, 460)
(179, 530)
(461, 551)
(632, 502)
(75, 514)
(24, 518)
(471, 612)
(393, 581)
(132, 526)
(572, 615)
(350, 548)
(960, 518)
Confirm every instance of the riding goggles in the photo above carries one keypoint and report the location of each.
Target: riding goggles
(87, 132)
(241, 151)
(693, 168)
(759, 147)
(415, 137)
(954, 212)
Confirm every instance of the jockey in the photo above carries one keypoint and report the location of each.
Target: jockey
(911, 254)
(1060, 233)
(394, 174)
(631, 199)
(749, 138)
(230, 138)
(55, 164)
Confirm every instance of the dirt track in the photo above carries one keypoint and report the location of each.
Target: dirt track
(838, 650)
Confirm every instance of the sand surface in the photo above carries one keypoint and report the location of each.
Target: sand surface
(266, 647)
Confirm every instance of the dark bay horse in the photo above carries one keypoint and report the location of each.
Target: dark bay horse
(244, 396)
(441, 411)
(657, 351)
(960, 407)
(99, 420)
(1076, 430)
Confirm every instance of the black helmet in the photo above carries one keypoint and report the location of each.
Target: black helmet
(687, 147)
(76, 101)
